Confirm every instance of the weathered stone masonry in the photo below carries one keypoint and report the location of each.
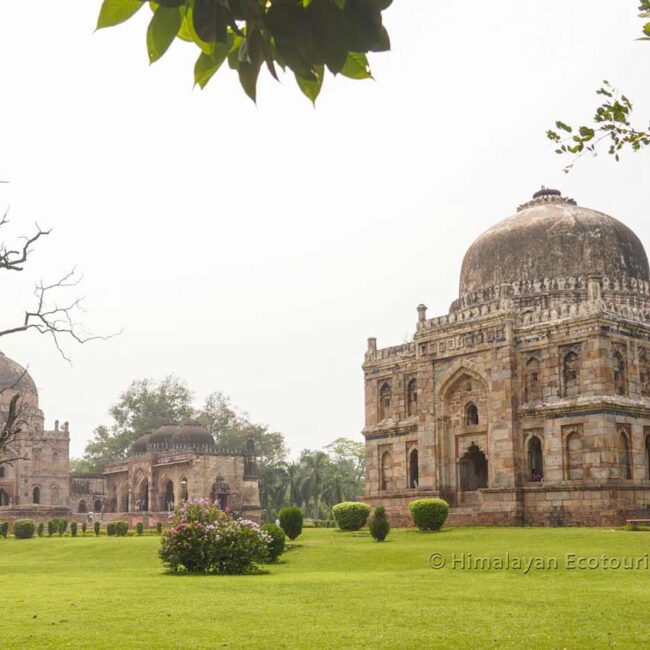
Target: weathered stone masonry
(530, 401)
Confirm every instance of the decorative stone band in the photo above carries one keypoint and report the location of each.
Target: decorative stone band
(505, 309)
(547, 286)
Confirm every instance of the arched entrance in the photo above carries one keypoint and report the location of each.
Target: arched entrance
(168, 496)
(82, 507)
(98, 505)
(473, 469)
(36, 495)
(4, 498)
(141, 492)
(464, 429)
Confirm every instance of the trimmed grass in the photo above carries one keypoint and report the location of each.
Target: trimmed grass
(332, 590)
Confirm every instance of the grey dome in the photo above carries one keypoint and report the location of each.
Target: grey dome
(14, 378)
(552, 237)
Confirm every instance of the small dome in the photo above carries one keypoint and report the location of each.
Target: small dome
(14, 378)
(141, 443)
(164, 433)
(551, 237)
(193, 433)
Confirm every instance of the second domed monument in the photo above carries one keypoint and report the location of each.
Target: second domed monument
(530, 401)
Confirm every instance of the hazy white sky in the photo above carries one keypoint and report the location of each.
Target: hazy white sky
(254, 249)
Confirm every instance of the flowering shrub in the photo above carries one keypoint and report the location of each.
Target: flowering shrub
(203, 539)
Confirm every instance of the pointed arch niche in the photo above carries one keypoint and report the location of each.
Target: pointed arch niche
(462, 399)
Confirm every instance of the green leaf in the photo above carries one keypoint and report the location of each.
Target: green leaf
(356, 66)
(311, 87)
(188, 33)
(162, 30)
(114, 12)
(207, 64)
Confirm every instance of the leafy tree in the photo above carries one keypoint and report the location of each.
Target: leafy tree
(144, 406)
(346, 451)
(231, 429)
(611, 124)
(304, 36)
(48, 315)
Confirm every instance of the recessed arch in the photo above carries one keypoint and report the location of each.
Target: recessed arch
(36, 495)
(385, 401)
(4, 498)
(386, 470)
(534, 460)
(412, 397)
(575, 457)
(533, 386)
(460, 372)
(620, 374)
(82, 507)
(624, 456)
(471, 414)
(571, 374)
(414, 468)
(473, 469)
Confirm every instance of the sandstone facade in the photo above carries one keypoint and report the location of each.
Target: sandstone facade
(164, 468)
(529, 403)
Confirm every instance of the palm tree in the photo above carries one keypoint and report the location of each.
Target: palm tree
(295, 480)
(340, 484)
(315, 465)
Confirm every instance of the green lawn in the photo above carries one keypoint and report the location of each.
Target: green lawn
(333, 590)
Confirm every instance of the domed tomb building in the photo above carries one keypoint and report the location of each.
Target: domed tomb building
(529, 403)
(173, 463)
(34, 477)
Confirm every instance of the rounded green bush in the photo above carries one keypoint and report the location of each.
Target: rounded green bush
(110, 529)
(41, 529)
(63, 526)
(276, 545)
(84, 528)
(24, 529)
(73, 528)
(121, 528)
(4, 529)
(291, 522)
(159, 527)
(429, 514)
(52, 527)
(96, 527)
(351, 515)
(379, 525)
(139, 528)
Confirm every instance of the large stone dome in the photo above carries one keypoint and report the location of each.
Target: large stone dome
(551, 237)
(14, 378)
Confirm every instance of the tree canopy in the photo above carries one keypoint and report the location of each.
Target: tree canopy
(304, 36)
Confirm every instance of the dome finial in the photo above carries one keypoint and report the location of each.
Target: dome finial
(546, 191)
(544, 196)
